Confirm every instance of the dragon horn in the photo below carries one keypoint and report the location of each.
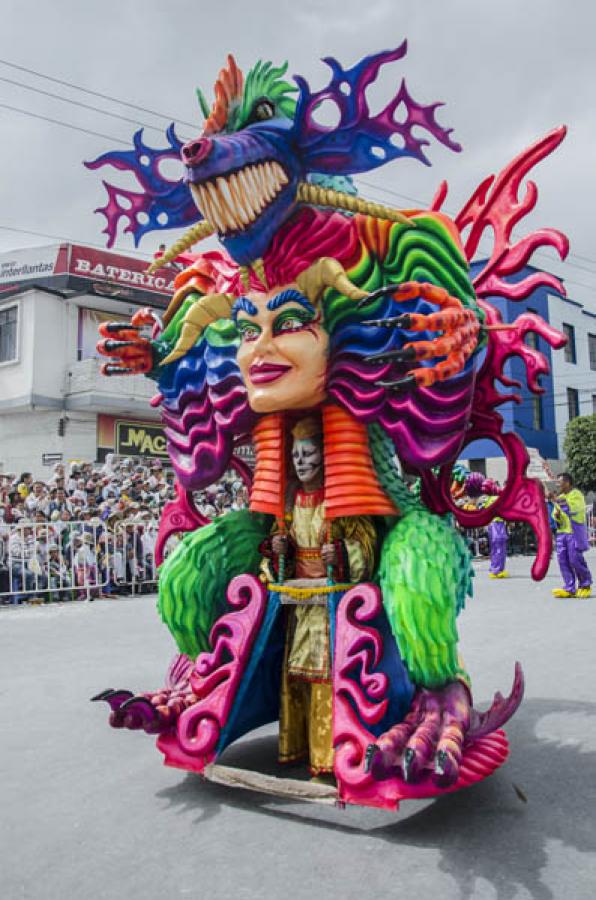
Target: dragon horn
(195, 234)
(203, 312)
(315, 195)
(327, 272)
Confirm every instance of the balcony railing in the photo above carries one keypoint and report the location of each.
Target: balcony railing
(87, 388)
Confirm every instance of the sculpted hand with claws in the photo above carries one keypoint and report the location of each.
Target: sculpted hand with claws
(459, 329)
(130, 352)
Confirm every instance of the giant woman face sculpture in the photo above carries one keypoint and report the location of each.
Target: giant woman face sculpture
(283, 350)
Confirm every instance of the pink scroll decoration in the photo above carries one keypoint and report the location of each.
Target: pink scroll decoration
(178, 515)
(216, 676)
(181, 514)
(357, 651)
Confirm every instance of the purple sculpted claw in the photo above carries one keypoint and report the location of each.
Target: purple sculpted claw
(431, 736)
(152, 712)
(439, 727)
(113, 698)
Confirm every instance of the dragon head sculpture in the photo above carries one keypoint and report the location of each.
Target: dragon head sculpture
(261, 142)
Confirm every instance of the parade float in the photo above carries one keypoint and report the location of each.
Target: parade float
(348, 343)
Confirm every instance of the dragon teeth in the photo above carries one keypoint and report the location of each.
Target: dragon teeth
(233, 202)
(227, 204)
(255, 188)
(246, 191)
(238, 196)
(214, 204)
(281, 175)
(269, 182)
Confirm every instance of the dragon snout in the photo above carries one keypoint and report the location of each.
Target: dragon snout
(196, 151)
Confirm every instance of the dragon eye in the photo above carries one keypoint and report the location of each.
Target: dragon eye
(262, 110)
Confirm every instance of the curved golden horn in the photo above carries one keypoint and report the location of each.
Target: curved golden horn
(195, 234)
(320, 196)
(327, 272)
(203, 312)
(176, 302)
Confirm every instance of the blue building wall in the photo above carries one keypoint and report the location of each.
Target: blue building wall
(519, 417)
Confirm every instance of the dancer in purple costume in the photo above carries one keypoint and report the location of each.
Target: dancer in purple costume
(569, 513)
(497, 540)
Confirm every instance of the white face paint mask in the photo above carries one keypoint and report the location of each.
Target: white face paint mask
(307, 458)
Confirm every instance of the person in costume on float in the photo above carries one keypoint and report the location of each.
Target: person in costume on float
(569, 513)
(312, 549)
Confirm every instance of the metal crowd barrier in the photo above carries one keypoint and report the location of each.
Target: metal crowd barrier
(45, 561)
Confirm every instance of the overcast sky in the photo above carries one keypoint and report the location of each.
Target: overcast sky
(508, 72)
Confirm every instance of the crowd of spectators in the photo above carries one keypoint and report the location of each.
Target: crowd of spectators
(90, 529)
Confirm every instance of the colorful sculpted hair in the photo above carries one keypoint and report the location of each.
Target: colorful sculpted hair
(205, 405)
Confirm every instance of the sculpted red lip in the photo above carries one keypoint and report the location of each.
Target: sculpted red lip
(266, 372)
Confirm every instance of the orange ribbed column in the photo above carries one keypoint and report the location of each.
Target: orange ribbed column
(351, 484)
(269, 482)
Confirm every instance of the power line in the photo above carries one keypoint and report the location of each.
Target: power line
(33, 115)
(103, 112)
(59, 237)
(424, 205)
(103, 96)
(77, 87)
(127, 144)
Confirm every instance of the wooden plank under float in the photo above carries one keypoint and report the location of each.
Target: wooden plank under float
(294, 788)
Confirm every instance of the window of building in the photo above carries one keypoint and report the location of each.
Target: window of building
(531, 338)
(89, 322)
(8, 334)
(594, 404)
(572, 403)
(592, 350)
(537, 413)
(477, 465)
(569, 332)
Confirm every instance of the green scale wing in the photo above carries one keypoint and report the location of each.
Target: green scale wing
(193, 580)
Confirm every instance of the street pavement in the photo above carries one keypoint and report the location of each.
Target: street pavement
(91, 813)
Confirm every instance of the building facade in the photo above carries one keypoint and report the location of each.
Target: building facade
(55, 406)
(569, 388)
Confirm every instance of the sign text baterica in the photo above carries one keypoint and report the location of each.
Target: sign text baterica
(121, 275)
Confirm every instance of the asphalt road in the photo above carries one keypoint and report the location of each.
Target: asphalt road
(88, 812)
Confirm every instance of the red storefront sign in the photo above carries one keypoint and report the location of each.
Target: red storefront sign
(100, 265)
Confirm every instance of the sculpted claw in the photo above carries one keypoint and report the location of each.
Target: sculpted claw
(403, 321)
(369, 756)
(113, 698)
(114, 369)
(406, 354)
(446, 771)
(402, 384)
(116, 327)
(409, 764)
(375, 295)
